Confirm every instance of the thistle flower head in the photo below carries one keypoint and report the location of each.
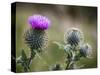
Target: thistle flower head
(39, 22)
(85, 50)
(36, 39)
(73, 36)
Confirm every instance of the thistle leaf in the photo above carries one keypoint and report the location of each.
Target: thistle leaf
(61, 46)
(24, 57)
(19, 59)
(67, 48)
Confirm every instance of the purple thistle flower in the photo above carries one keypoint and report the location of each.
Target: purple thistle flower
(39, 22)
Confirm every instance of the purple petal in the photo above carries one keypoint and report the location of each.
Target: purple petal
(39, 22)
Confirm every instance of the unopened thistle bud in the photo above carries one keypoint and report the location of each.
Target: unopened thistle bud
(73, 37)
(36, 37)
(85, 50)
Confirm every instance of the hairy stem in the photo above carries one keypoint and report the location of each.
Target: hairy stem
(28, 62)
(70, 65)
(32, 55)
(67, 65)
(70, 61)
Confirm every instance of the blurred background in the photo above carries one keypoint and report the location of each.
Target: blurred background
(62, 18)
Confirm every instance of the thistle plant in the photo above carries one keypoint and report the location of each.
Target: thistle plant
(74, 47)
(35, 38)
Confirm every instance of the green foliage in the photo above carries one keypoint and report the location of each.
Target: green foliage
(73, 54)
(24, 61)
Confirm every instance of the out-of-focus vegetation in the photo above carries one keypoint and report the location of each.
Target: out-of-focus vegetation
(62, 18)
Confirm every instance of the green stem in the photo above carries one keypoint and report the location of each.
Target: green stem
(70, 65)
(67, 65)
(32, 55)
(26, 68)
(70, 62)
(27, 63)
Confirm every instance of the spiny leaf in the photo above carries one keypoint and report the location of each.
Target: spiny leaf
(61, 46)
(78, 67)
(67, 48)
(24, 57)
(19, 59)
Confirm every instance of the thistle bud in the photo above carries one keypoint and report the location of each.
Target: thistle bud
(73, 37)
(85, 50)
